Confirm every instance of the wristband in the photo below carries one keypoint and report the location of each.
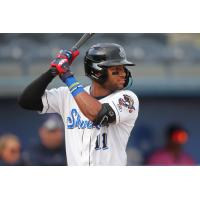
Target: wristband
(74, 86)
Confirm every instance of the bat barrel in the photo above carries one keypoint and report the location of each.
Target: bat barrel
(83, 39)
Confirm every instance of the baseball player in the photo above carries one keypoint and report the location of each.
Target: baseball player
(98, 118)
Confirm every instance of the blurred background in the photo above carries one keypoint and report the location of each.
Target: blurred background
(166, 81)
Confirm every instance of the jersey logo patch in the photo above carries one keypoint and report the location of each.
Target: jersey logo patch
(127, 102)
(75, 121)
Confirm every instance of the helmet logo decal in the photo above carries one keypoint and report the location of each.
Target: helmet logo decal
(122, 53)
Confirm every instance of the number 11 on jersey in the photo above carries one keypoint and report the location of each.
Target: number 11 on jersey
(101, 142)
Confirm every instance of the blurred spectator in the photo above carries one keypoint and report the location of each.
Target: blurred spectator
(134, 157)
(172, 153)
(50, 151)
(10, 150)
(141, 142)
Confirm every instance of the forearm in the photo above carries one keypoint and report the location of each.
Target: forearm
(31, 98)
(88, 105)
(99, 114)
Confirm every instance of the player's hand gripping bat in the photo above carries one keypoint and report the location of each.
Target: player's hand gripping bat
(65, 57)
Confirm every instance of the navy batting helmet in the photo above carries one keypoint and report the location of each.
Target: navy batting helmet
(103, 55)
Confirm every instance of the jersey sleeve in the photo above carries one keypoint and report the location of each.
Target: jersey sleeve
(126, 106)
(53, 100)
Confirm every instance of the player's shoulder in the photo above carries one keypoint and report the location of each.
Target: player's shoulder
(127, 94)
(123, 101)
(130, 93)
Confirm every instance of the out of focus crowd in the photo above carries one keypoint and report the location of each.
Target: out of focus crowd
(48, 150)
(171, 153)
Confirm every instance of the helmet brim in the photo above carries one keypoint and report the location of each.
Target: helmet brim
(110, 63)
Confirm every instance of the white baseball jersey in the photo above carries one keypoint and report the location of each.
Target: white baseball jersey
(85, 143)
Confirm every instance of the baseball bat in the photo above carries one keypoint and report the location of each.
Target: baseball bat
(82, 40)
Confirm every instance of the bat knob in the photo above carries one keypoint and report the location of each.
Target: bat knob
(74, 49)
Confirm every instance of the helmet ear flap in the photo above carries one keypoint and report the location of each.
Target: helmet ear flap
(98, 76)
(102, 76)
(128, 79)
(95, 72)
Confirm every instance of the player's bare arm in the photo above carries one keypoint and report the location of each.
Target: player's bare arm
(88, 104)
(31, 96)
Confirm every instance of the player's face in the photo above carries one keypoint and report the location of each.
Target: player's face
(116, 78)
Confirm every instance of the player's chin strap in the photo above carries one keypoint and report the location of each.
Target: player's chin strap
(129, 80)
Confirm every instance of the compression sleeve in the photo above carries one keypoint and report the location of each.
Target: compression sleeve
(31, 97)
